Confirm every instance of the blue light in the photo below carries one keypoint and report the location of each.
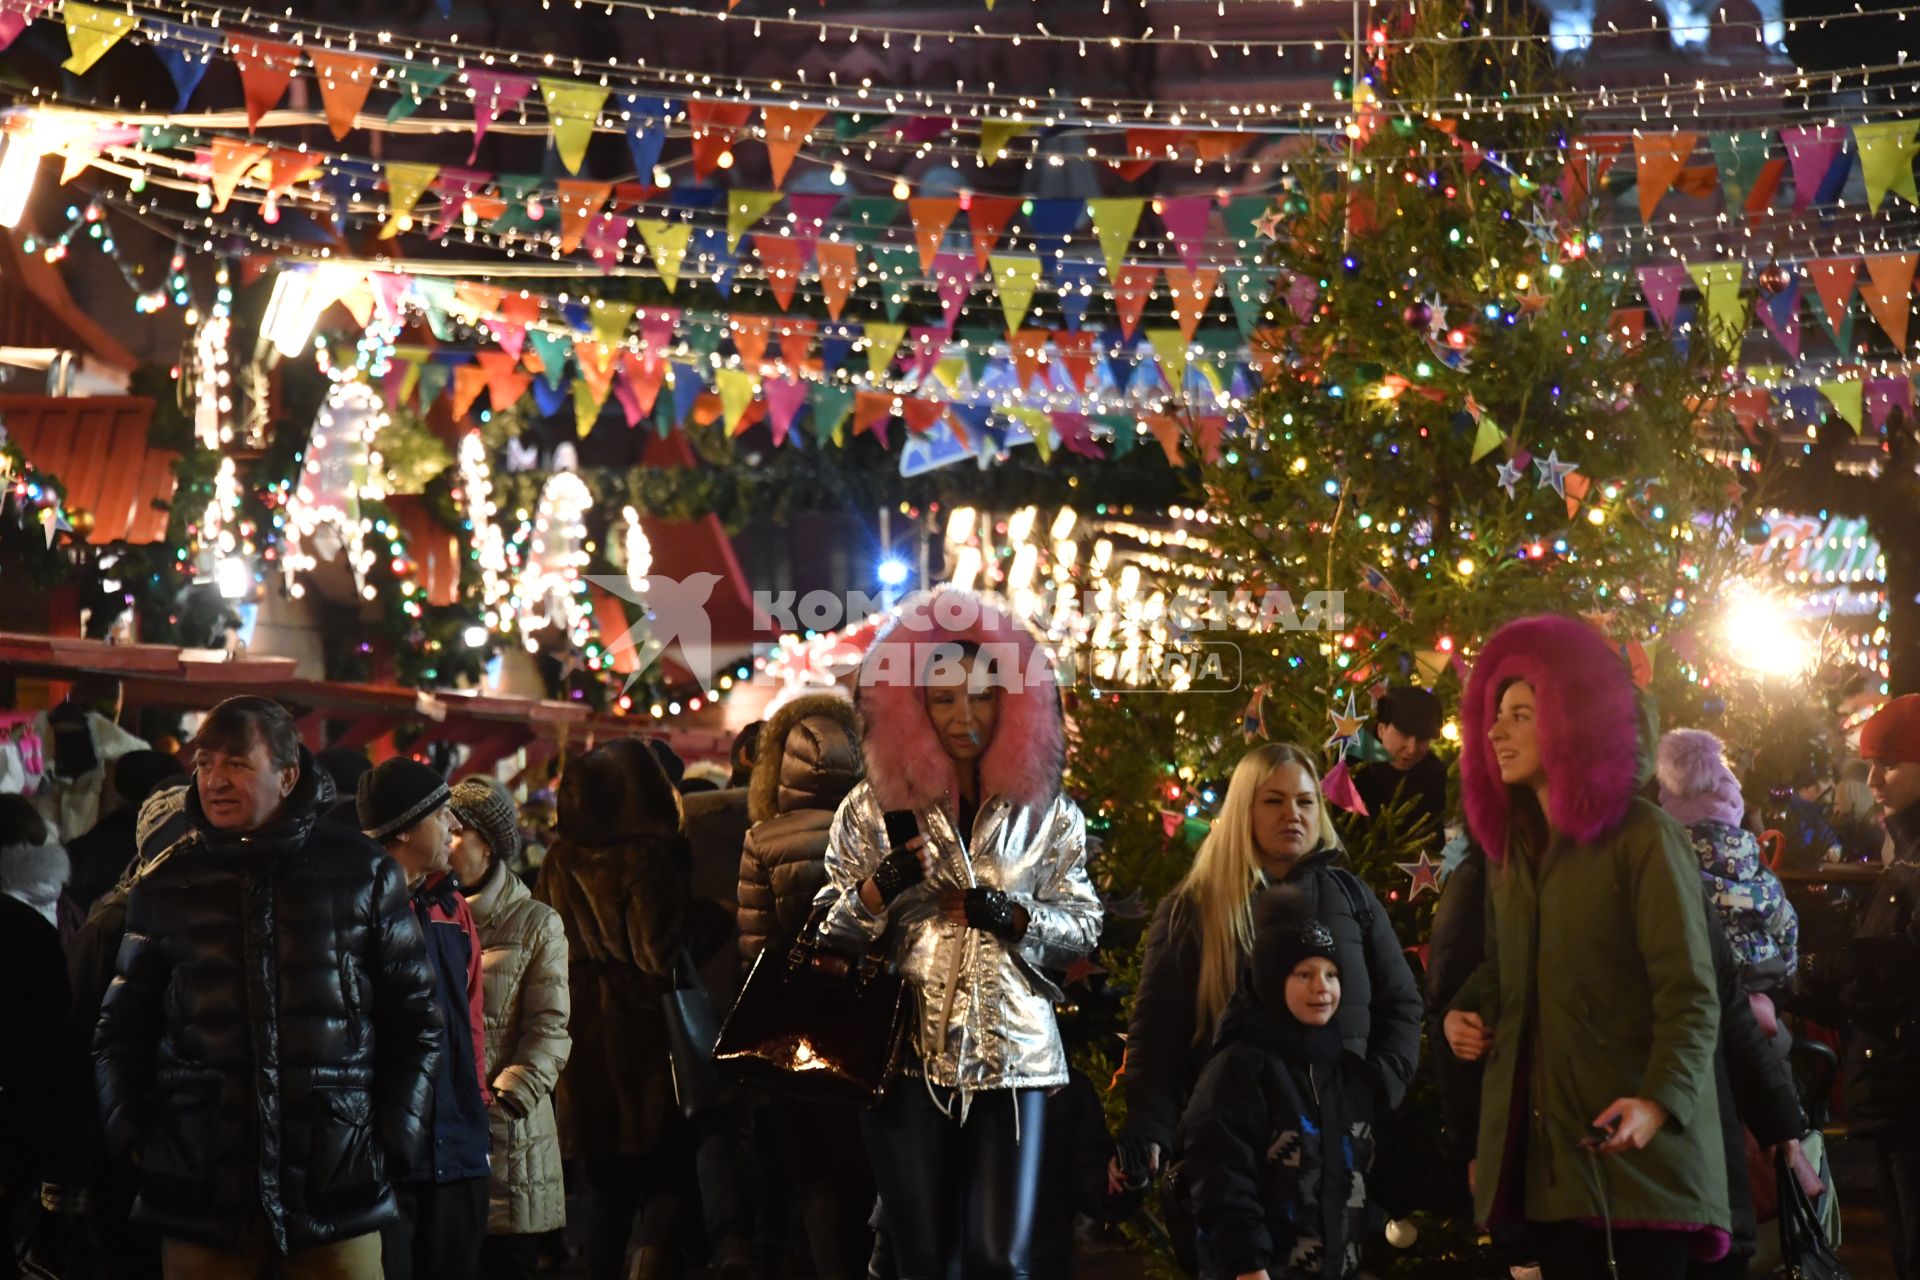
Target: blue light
(893, 572)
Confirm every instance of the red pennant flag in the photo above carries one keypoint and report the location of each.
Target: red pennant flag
(1890, 297)
(1207, 433)
(1628, 327)
(1076, 353)
(780, 258)
(1029, 355)
(1833, 280)
(839, 266)
(580, 201)
(645, 377)
(1658, 159)
(285, 166)
(345, 79)
(265, 70)
(923, 415)
(469, 380)
(871, 411)
(1192, 291)
(931, 218)
(713, 125)
(796, 345)
(1131, 289)
(750, 334)
(1766, 186)
(520, 308)
(787, 130)
(505, 381)
(987, 217)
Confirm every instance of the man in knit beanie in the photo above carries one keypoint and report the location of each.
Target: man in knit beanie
(403, 805)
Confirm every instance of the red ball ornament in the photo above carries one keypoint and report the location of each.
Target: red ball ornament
(1417, 315)
(1774, 277)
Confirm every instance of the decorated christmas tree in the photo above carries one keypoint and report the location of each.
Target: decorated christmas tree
(1457, 429)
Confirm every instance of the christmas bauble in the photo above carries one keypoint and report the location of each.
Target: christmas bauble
(1405, 125)
(81, 520)
(1402, 1233)
(1343, 86)
(1774, 277)
(1756, 532)
(1295, 205)
(1417, 315)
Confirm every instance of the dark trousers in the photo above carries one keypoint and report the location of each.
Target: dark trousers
(438, 1233)
(618, 1188)
(1734, 1266)
(829, 1177)
(510, 1258)
(958, 1199)
(1900, 1200)
(1575, 1251)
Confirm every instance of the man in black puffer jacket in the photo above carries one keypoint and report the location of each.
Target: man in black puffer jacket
(270, 1041)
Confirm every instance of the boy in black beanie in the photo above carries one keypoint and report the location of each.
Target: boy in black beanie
(1279, 1133)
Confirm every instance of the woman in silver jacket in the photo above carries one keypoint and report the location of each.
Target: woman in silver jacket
(961, 730)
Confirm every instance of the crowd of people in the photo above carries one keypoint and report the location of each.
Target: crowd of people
(274, 1014)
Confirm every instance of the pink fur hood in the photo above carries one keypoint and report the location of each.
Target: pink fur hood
(1587, 716)
(906, 766)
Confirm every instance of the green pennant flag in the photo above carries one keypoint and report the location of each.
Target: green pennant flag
(1114, 222)
(1847, 397)
(1487, 437)
(1242, 213)
(1122, 432)
(855, 123)
(882, 341)
(1017, 279)
(704, 335)
(610, 321)
(831, 405)
(436, 298)
(667, 242)
(434, 377)
(1171, 346)
(1740, 156)
(744, 208)
(1249, 291)
(893, 268)
(978, 344)
(415, 82)
(553, 350)
(866, 218)
(516, 189)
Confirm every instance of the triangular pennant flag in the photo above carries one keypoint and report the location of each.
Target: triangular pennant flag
(469, 380)
(883, 340)
(345, 80)
(1076, 433)
(921, 415)
(229, 161)
(417, 81)
(931, 218)
(1114, 222)
(1192, 291)
(91, 31)
(1886, 159)
(687, 386)
(1846, 397)
(787, 130)
(181, 50)
(839, 266)
(433, 383)
(1833, 279)
(285, 166)
(627, 396)
(796, 344)
(580, 203)
(996, 134)
(1017, 279)
(831, 405)
(646, 140)
(780, 260)
(713, 126)
(645, 378)
(1076, 354)
(750, 335)
(1719, 286)
(1076, 280)
(265, 68)
(987, 219)
(871, 412)
(1132, 286)
(494, 92)
(595, 363)
(1661, 284)
(406, 183)
(573, 108)
(1658, 159)
(1889, 296)
(1167, 432)
(1884, 395)
(1813, 151)
(744, 208)
(1781, 316)
(1487, 437)
(667, 242)
(586, 409)
(784, 398)
(1249, 291)
(16, 16)
(550, 352)
(1029, 356)
(1741, 157)
(610, 321)
(1171, 346)
(1185, 218)
(953, 275)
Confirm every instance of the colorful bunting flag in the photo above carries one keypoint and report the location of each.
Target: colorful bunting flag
(1192, 292)
(1719, 286)
(345, 80)
(1114, 222)
(580, 203)
(780, 259)
(265, 68)
(1886, 159)
(1132, 286)
(996, 134)
(987, 219)
(1658, 159)
(1889, 293)
(91, 31)
(1741, 157)
(1017, 279)
(667, 242)
(1661, 284)
(1185, 218)
(1815, 152)
(744, 208)
(573, 108)
(787, 131)
(1833, 280)
(931, 217)
(1170, 345)
(839, 266)
(494, 92)
(714, 125)
(418, 81)
(1846, 396)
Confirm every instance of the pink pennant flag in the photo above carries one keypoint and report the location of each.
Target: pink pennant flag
(627, 398)
(1337, 785)
(927, 342)
(1185, 218)
(1811, 149)
(1302, 293)
(1662, 285)
(603, 240)
(15, 17)
(510, 334)
(455, 187)
(810, 213)
(1076, 434)
(656, 334)
(1883, 396)
(784, 398)
(389, 295)
(954, 273)
(493, 93)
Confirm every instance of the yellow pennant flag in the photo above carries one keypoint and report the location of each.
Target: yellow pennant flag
(1017, 279)
(1171, 346)
(406, 183)
(996, 134)
(737, 389)
(610, 321)
(1114, 222)
(572, 110)
(1040, 426)
(744, 208)
(948, 371)
(586, 410)
(882, 341)
(91, 31)
(1719, 286)
(667, 242)
(1847, 398)
(1886, 159)
(1486, 438)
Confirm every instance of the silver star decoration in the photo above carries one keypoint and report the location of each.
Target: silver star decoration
(1425, 873)
(1346, 725)
(1553, 472)
(1509, 477)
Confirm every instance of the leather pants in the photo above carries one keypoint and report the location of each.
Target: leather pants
(957, 1199)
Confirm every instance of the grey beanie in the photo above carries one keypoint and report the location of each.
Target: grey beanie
(482, 803)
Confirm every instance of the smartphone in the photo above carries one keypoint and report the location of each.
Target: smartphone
(1597, 1136)
(902, 826)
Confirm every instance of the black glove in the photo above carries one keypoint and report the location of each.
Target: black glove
(898, 872)
(994, 912)
(1137, 1164)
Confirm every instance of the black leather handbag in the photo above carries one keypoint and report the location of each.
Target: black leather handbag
(1804, 1251)
(692, 1026)
(817, 1024)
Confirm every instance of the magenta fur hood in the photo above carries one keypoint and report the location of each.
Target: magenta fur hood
(1587, 716)
(906, 766)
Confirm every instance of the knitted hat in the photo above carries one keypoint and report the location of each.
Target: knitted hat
(1695, 783)
(396, 794)
(483, 804)
(1412, 710)
(1282, 938)
(1893, 735)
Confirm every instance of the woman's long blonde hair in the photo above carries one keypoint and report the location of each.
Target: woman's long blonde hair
(1220, 886)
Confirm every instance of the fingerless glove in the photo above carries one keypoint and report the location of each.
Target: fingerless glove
(898, 872)
(992, 911)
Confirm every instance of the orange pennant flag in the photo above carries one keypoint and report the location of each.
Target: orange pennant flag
(1131, 289)
(1890, 297)
(1192, 291)
(1076, 353)
(1167, 432)
(780, 258)
(595, 362)
(1833, 280)
(505, 382)
(265, 70)
(796, 345)
(713, 126)
(988, 216)
(345, 79)
(931, 218)
(1217, 147)
(787, 130)
(1658, 159)
(871, 411)
(580, 202)
(481, 300)
(923, 415)
(1578, 487)
(285, 166)
(231, 160)
(839, 264)
(469, 380)
(1029, 355)
(750, 335)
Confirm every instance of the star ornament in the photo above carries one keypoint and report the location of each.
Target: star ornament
(1346, 724)
(1267, 225)
(1425, 874)
(1080, 970)
(1509, 477)
(1553, 472)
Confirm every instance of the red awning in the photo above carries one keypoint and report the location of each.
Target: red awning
(96, 446)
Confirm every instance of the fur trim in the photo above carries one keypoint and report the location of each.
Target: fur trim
(35, 873)
(615, 793)
(1695, 783)
(763, 790)
(1587, 718)
(906, 765)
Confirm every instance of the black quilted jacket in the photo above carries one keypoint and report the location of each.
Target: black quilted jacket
(271, 1038)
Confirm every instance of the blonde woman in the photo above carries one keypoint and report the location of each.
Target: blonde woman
(1273, 831)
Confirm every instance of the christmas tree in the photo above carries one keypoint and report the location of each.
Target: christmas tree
(1456, 430)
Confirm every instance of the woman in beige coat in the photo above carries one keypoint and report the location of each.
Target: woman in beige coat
(524, 958)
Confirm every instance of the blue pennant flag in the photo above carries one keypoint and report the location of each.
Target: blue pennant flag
(1053, 219)
(182, 51)
(687, 386)
(834, 352)
(551, 398)
(710, 251)
(1077, 281)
